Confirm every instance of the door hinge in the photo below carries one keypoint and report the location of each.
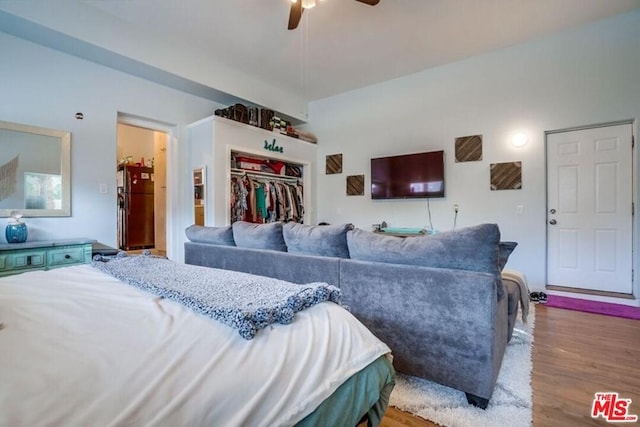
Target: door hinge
(633, 208)
(633, 141)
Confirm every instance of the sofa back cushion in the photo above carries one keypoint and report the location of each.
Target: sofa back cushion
(212, 235)
(322, 240)
(259, 236)
(471, 248)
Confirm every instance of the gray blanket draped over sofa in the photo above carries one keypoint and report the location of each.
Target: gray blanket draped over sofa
(437, 301)
(242, 301)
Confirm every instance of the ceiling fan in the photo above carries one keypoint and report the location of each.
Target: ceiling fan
(298, 6)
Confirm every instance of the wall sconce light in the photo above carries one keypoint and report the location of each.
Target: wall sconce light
(519, 140)
(308, 4)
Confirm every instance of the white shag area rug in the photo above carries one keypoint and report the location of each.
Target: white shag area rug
(510, 405)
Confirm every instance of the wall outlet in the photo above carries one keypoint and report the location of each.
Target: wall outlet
(456, 208)
(104, 189)
(519, 209)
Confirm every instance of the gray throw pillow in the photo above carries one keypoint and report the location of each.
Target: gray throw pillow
(471, 248)
(259, 236)
(213, 235)
(505, 249)
(322, 240)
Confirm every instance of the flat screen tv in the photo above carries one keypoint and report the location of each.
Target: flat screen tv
(408, 176)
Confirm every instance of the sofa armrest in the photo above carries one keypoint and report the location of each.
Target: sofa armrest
(441, 324)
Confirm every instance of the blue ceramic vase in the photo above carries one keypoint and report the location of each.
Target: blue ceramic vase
(16, 232)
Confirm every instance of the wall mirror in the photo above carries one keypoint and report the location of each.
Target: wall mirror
(35, 170)
(198, 195)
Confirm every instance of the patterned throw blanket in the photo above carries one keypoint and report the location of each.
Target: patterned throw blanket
(243, 301)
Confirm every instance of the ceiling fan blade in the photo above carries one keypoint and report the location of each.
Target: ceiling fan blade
(295, 15)
(369, 2)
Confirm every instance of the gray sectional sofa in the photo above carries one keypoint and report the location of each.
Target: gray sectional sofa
(437, 301)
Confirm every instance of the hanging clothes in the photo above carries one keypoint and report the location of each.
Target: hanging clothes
(239, 196)
(261, 203)
(262, 200)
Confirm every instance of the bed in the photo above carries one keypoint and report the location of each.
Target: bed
(80, 347)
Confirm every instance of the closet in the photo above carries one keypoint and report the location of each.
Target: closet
(265, 190)
(252, 174)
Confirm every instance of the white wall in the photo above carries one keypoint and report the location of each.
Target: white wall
(136, 142)
(43, 87)
(585, 76)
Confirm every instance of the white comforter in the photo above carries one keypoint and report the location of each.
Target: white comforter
(80, 348)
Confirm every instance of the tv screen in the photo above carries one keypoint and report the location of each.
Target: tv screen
(408, 176)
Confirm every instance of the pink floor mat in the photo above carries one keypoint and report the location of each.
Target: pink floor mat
(598, 307)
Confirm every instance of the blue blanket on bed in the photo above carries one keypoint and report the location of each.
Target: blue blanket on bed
(243, 301)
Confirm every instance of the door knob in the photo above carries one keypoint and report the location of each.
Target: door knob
(553, 222)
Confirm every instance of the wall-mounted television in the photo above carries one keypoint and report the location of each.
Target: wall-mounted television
(408, 176)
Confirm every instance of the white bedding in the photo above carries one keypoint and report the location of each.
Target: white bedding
(80, 348)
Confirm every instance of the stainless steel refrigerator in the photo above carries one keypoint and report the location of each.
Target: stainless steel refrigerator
(135, 207)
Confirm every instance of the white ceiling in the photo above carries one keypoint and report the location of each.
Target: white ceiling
(240, 50)
(343, 44)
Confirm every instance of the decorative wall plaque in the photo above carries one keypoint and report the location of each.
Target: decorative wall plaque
(469, 148)
(333, 164)
(355, 185)
(506, 176)
(273, 146)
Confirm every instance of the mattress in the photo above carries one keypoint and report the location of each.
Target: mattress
(79, 347)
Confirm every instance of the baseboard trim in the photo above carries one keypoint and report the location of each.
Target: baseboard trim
(589, 292)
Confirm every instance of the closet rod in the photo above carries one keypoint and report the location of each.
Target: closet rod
(265, 175)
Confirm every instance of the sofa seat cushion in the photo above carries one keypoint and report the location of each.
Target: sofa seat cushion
(322, 240)
(259, 236)
(213, 235)
(471, 248)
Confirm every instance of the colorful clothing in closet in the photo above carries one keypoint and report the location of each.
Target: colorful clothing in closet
(262, 200)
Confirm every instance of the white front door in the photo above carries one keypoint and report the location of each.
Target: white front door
(589, 208)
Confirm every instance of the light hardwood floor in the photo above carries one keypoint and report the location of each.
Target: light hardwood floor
(153, 251)
(575, 354)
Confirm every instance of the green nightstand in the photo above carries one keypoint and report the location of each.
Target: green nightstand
(43, 255)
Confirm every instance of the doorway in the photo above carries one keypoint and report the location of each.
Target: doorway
(142, 190)
(590, 210)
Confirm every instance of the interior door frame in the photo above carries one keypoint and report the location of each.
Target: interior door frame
(634, 196)
(172, 171)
